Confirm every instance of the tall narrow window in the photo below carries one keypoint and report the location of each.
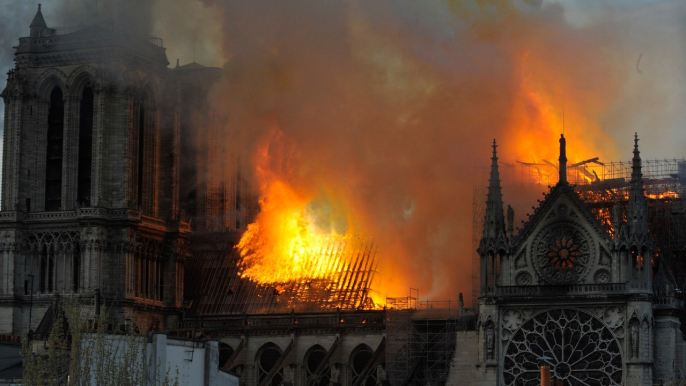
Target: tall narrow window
(51, 270)
(53, 171)
(43, 269)
(85, 147)
(76, 269)
(141, 152)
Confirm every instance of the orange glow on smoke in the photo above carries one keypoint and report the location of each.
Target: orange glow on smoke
(548, 105)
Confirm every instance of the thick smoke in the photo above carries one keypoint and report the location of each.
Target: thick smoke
(384, 108)
(381, 109)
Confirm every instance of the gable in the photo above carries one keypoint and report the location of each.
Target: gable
(563, 243)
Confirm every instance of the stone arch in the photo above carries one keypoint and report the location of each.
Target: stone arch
(311, 362)
(265, 359)
(47, 81)
(359, 358)
(132, 80)
(151, 90)
(82, 77)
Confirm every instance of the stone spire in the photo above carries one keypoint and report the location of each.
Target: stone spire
(637, 218)
(563, 160)
(494, 224)
(38, 23)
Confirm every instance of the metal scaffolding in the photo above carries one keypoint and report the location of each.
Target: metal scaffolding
(214, 284)
(421, 339)
(602, 186)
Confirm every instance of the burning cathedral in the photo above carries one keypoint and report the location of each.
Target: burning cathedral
(109, 196)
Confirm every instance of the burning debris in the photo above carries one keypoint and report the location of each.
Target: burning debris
(345, 283)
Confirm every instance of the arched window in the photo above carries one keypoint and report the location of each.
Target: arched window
(267, 357)
(85, 147)
(313, 359)
(359, 359)
(53, 171)
(225, 352)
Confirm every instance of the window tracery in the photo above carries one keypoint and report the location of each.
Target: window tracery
(583, 350)
(312, 361)
(266, 360)
(358, 361)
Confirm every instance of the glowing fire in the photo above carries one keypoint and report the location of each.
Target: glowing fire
(301, 236)
(663, 195)
(284, 243)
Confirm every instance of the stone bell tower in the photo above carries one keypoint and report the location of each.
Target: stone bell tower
(90, 177)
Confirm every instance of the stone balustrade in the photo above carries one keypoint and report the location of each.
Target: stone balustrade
(553, 290)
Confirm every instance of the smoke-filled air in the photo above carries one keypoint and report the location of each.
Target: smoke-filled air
(367, 118)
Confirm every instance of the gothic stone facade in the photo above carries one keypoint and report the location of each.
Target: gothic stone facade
(566, 293)
(90, 176)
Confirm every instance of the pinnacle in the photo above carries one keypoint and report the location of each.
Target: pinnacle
(38, 20)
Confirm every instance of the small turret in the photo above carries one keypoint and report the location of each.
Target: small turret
(38, 25)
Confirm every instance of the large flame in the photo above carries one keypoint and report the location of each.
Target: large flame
(302, 235)
(284, 243)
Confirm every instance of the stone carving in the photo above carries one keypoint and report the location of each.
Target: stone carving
(512, 319)
(490, 342)
(613, 317)
(602, 276)
(583, 350)
(633, 337)
(562, 254)
(523, 278)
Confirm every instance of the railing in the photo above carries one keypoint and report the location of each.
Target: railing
(51, 216)
(578, 289)
(156, 41)
(266, 321)
(668, 302)
(104, 213)
(153, 222)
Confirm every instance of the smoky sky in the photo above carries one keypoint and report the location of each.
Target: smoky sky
(383, 108)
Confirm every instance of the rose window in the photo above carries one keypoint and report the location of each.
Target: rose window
(562, 254)
(581, 350)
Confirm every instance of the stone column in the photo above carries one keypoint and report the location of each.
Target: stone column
(98, 144)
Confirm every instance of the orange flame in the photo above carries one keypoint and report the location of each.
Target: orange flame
(298, 236)
(284, 244)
